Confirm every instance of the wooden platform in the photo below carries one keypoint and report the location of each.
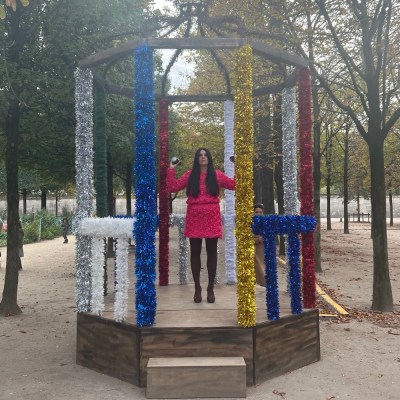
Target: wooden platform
(186, 329)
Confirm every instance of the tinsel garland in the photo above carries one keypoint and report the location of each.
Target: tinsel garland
(145, 188)
(122, 280)
(271, 277)
(306, 186)
(163, 233)
(106, 227)
(243, 121)
(289, 159)
(289, 151)
(178, 220)
(269, 226)
(229, 217)
(119, 227)
(293, 260)
(97, 304)
(84, 183)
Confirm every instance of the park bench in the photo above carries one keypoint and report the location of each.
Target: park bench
(361, 217)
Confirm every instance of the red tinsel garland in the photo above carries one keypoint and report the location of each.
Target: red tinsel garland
(306, 186)
(163, 246)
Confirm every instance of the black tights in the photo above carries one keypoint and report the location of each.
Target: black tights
(195, 261)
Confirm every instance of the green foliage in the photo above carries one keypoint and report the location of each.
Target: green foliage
(41, 225)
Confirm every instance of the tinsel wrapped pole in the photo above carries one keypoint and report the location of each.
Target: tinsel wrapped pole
(178, 220)
(145, 188)
(289, 151)
(121, 295)
(269, 226)
(97, 304)
(293, 253)
(289, 147)
(229, 218)
(243, 122)
(163, 245)
(306, 186)
(271, 277)
(84, 183)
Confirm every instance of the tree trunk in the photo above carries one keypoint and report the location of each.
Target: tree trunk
(9, 305)
(317, 177)
(382, 299)
(43, 199)
(128, 189)
(346, 181)
(328, 185)
(24, 195)
(57, 197)
(358, 206)
(390, 205)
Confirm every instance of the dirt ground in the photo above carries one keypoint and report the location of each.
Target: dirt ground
(360, 354)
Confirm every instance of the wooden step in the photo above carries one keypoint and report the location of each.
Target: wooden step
(193, 377)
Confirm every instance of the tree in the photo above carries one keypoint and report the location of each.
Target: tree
(363, 37)
(41, 46)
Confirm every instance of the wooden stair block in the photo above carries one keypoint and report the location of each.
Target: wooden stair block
(193, 377)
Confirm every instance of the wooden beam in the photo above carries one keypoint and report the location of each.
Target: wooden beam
(168, 43)
(259, 48)
(277, 55)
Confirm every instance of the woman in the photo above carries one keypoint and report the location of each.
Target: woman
(203, 216)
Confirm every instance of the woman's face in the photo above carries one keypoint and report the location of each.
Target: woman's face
(258, 211)
(203, 159)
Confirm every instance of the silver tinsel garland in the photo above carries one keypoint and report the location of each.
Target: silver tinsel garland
(289, 151)
(97, 303)
(289, 159)
(121, 230)
(229, 218)
(122, 280)
(178, 220)
(84, 183)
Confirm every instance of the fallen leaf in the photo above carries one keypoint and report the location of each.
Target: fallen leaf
(278, 393)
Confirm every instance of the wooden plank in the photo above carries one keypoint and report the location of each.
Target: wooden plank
(192, 342)
(194, 377)
(108, 347)
(285, 345)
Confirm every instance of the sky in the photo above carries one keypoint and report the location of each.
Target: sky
(180, 68)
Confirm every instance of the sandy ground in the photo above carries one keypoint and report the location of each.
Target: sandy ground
(360, 354)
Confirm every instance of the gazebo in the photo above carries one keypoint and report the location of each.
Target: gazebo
(120, 343)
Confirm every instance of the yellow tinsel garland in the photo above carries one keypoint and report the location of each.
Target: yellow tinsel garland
(244, 187)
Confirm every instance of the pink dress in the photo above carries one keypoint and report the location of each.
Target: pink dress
(203, 216)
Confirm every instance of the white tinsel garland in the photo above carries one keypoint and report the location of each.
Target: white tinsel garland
(107, 227)
(122, 280)
(84, 182)
(97, 303)
(230, 239)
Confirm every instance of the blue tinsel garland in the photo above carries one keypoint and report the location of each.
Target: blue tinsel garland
(145, 190)
(292, 225)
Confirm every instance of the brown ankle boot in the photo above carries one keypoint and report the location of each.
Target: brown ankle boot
(197, 295)
(210, 295)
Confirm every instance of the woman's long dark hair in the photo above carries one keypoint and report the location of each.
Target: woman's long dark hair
(193, 186)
